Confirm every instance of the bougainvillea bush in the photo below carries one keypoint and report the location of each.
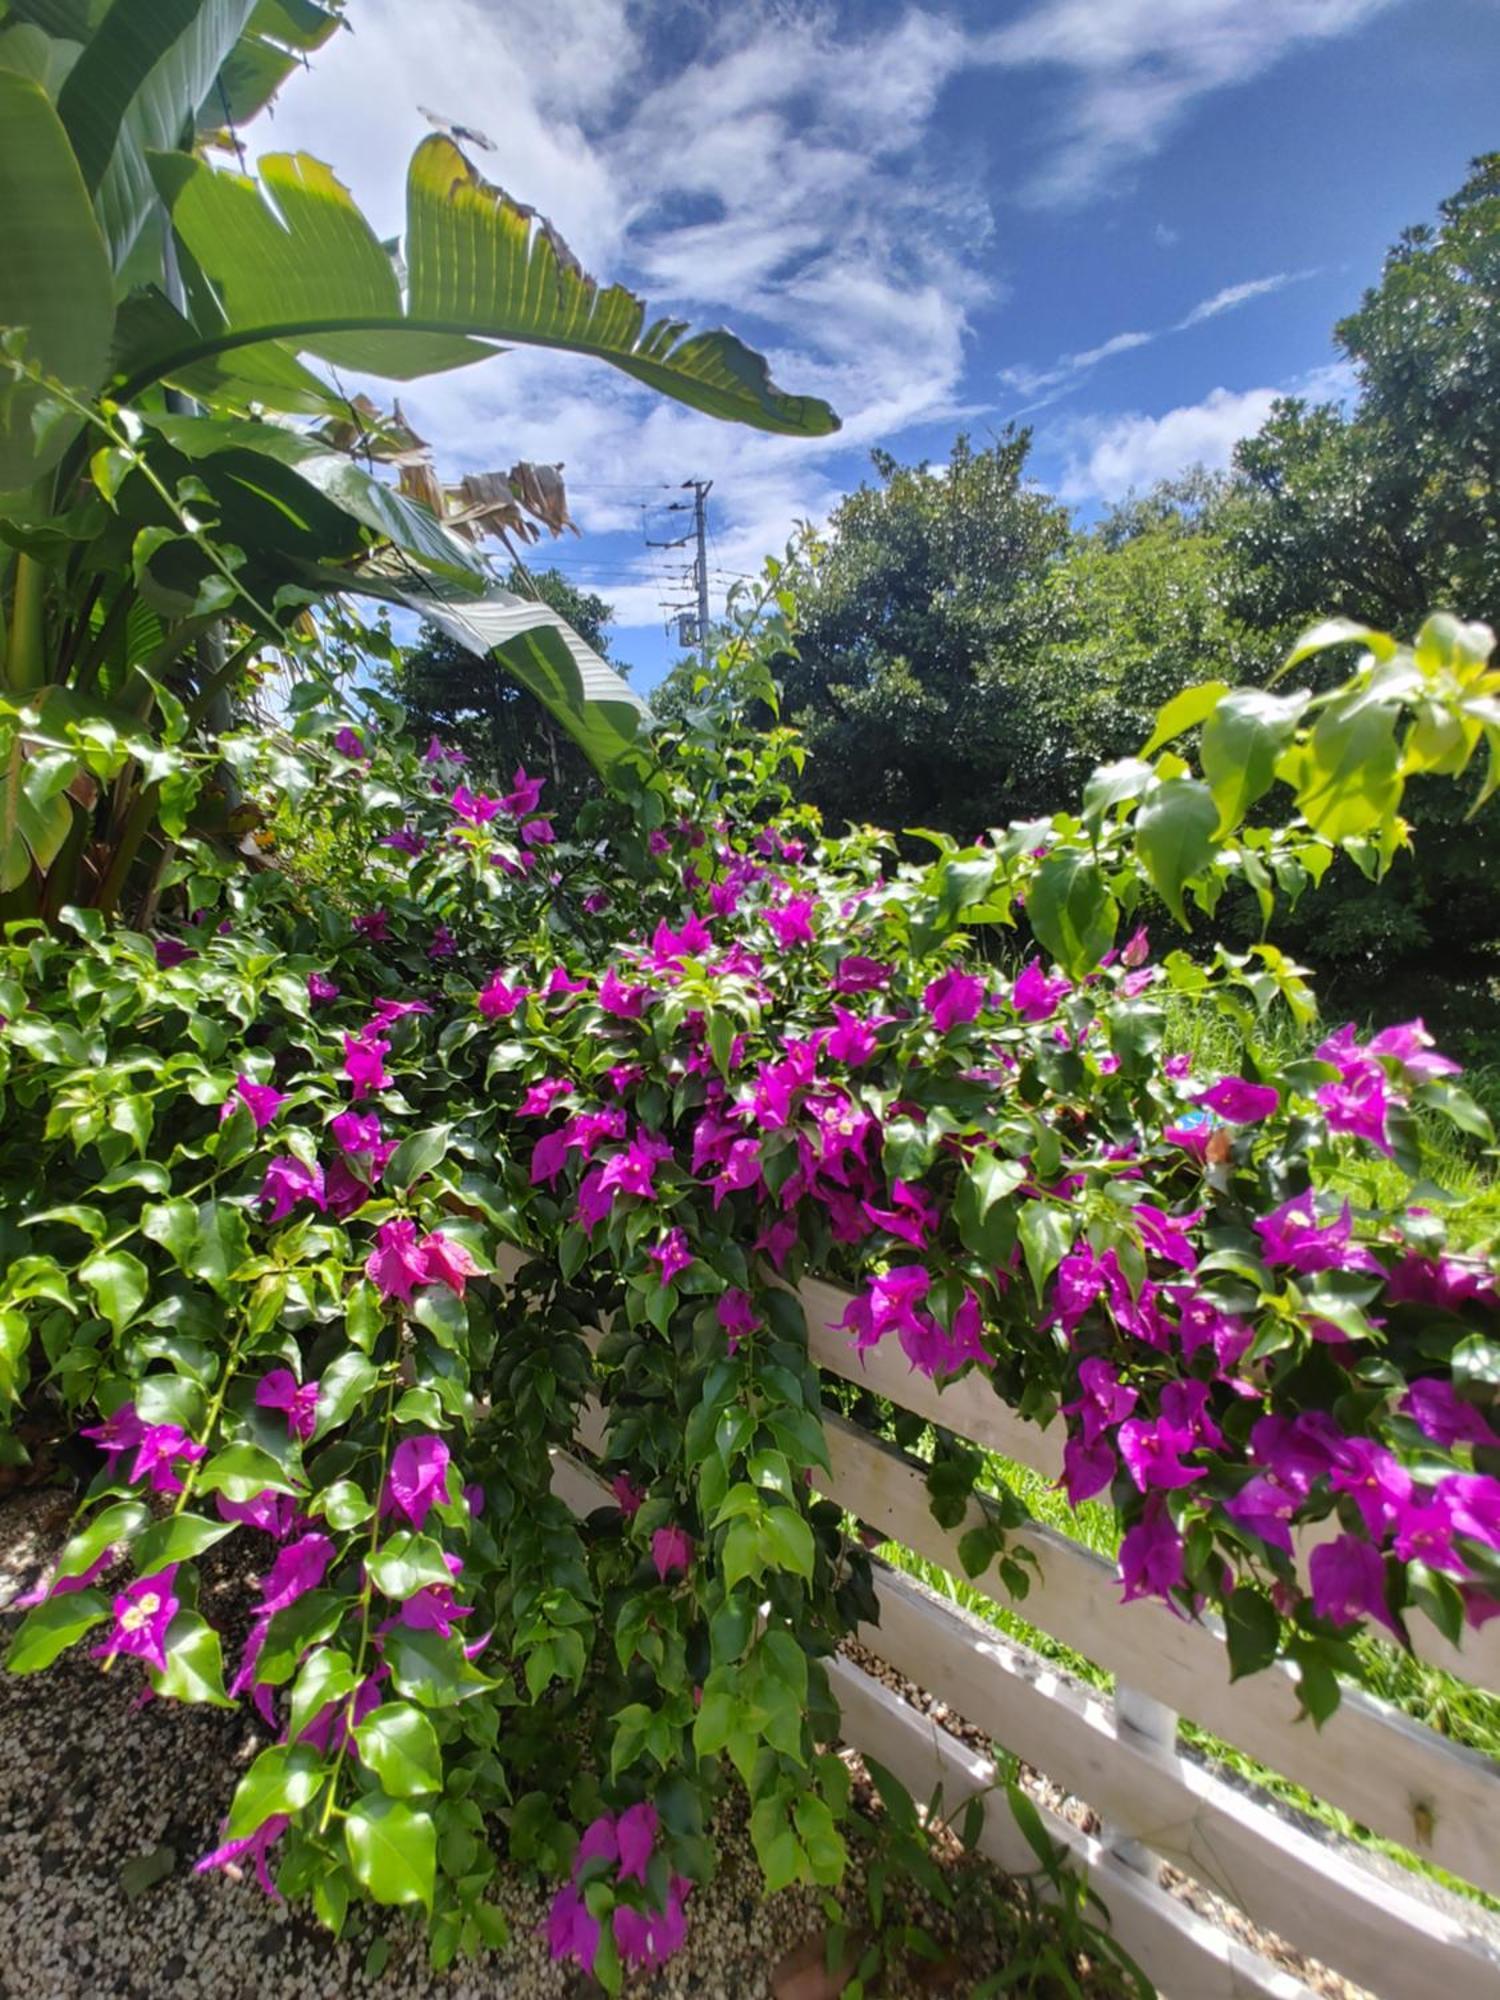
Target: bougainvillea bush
(325, 1220)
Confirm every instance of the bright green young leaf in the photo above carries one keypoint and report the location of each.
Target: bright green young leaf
(1183, 712)
(195, 1663)
(1174, 837)
(1046, 1232)
(407, 1563)
(54, 1626)
(282, 1779)
(1242, 741)
(400, 1745)
(392, 1850)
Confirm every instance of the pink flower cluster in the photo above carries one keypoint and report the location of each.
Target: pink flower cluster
(645, 1938)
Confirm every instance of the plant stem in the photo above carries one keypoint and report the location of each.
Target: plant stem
(27, 668)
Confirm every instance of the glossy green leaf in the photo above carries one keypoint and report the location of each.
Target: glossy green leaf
(282, 1779)
(1072, 912)
(54, 1626)
(118, 1283)
(392, 1850)
(400, 1745)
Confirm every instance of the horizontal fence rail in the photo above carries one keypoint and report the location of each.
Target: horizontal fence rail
(1392, 1775)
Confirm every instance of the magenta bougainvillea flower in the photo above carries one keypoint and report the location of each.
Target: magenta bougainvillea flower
(448, 1262)
(171, 952)
(398, 1263)
(444, 944)
(141, 1615)
(406, 840)
(633, 1171)
(540, 1097)
(1238, 1101)
(1293, 1236)
(321, 990)
(635, 1831)
(288, 1181)
(1348, 1583)
(364, 1064)
(571, 1932)
(525, 794)
(737, 1316)
(120, 1432)
(628, 1496)
(627, 1003)
(648, 1938)
(349, 743)
(275, 1514)
(280, 1390)
(418, 1478)
(671, 1552)
(61, 1586)
(254, 1847)
(953, 998)
(1151, 1555)
(912, 1215)
(384, 1012)
(858, 974)
(671, 1255)
(1440, 1413)
(374, 926)
(162, 1447)
(1034, 996)
(538, 833)
(473, 808)
(260, 1099)
(792, 924)
(498, 1000)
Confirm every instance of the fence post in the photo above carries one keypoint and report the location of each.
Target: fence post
(1152, 1726)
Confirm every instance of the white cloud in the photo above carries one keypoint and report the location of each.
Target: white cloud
(1045, 385)
(1107, 458)
(1237, 295)
(1165, 236)
(1131, 70)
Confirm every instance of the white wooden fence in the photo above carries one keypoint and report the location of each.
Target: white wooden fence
(1389, 1773)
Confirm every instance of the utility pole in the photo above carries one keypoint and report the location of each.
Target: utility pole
(701, 490)
(692, 618)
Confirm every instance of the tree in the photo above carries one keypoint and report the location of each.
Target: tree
(1387, 513)
(451, 692)
(908, 680)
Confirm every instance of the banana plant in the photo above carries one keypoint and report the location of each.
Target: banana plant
(166, 507)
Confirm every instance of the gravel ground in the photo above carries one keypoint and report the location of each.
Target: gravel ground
(105, 1804)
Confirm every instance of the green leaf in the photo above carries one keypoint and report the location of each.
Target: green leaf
(343, 1386)
(118, 1283)
(408, 1563)
(1046, 1232)
(1185, 711)
(1242, 741)
(55, 278)
(116, 1525)
(195, 1663)
(1072, 912)
(416, 1156)
(1347, 776)
(400, 1745)
(327, 1674)
(1253, 1631)
(178, 1538)
(477, 264)
(54, 1626)
(787, 1541)
(1174, 837)
(282, 1779)
(220, 1246)
(242, 1471)
(392, 1850)
(174, 1225)
(139, 81)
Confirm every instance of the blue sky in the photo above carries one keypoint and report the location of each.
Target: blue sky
(1127, 223)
